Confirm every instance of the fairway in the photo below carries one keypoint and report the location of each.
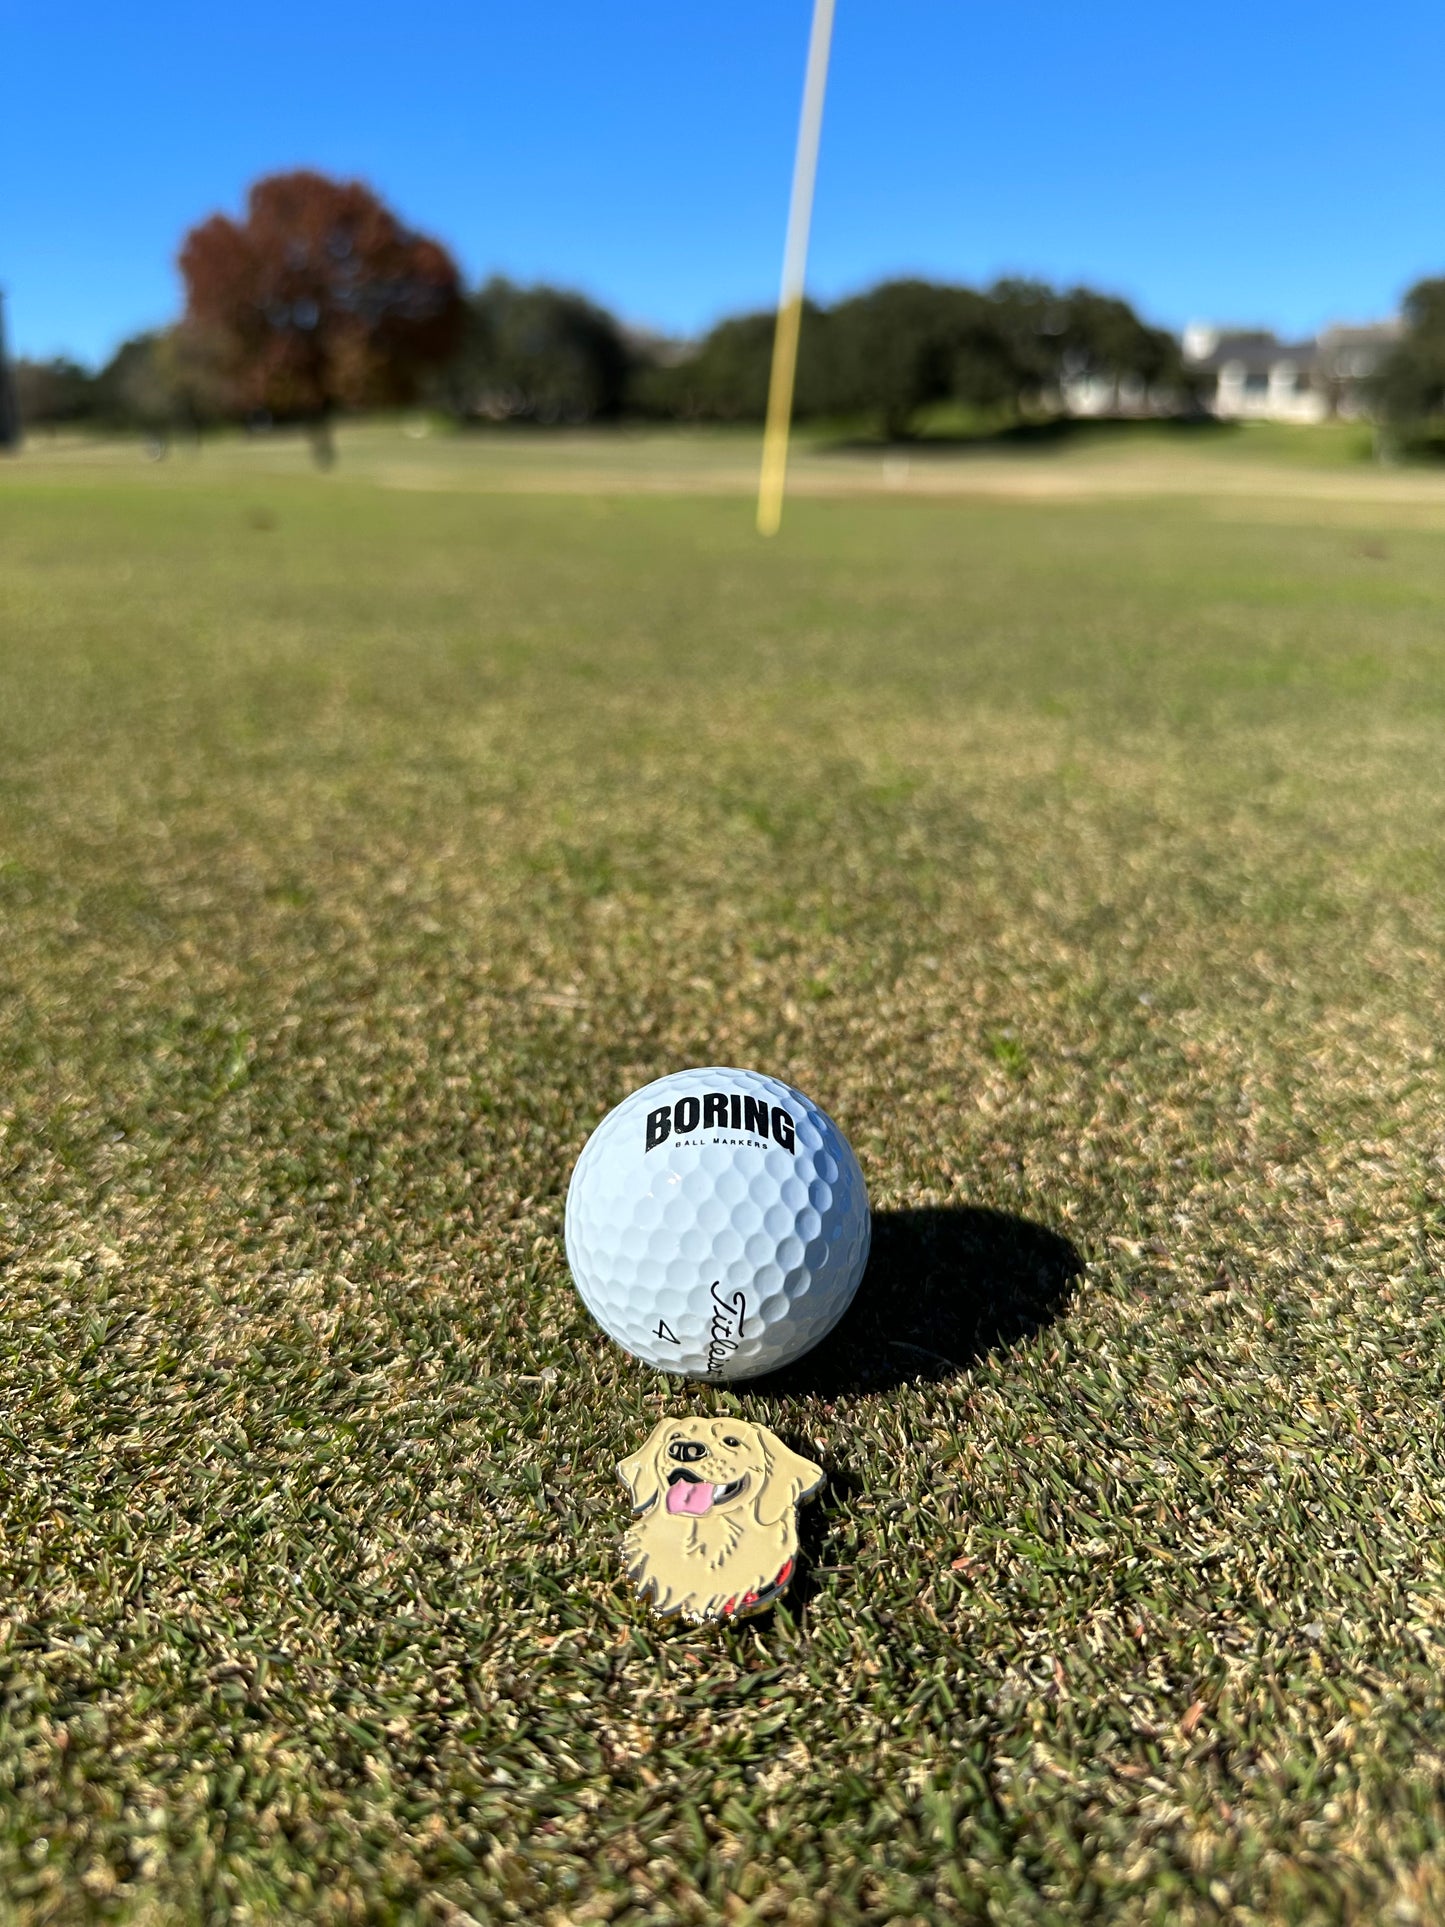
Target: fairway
(364, 839)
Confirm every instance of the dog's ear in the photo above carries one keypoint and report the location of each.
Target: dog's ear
(790, 1478)
(640, 1474)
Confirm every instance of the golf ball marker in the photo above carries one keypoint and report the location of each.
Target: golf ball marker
(714, 1531)
(717, 1224)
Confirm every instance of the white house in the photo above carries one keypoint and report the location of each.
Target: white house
(1251, 375)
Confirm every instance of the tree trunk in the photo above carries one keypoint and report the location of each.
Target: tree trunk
(323, 444)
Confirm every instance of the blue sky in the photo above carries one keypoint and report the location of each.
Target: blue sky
(1279, 164)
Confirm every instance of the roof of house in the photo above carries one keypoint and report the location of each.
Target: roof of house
(1356, 351)
(1339, 350)
(1255, 349)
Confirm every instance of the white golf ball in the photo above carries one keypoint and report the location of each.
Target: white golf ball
(717, 1224)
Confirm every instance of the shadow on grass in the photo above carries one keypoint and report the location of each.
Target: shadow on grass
(1053, 432)
(945, 1285)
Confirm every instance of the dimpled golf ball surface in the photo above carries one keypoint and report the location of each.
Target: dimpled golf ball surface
(717, 1224)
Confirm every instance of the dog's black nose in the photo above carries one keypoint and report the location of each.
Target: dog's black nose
(686, 1449)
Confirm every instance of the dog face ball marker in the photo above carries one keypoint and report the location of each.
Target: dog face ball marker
(714, 1533)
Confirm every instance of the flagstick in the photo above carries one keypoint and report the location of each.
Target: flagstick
(795, 260)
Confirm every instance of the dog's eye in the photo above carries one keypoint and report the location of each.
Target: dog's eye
(732, 1441)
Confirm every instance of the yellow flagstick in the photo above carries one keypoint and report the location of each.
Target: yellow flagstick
(795, 260)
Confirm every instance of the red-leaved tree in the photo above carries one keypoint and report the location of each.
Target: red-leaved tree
(320, 299)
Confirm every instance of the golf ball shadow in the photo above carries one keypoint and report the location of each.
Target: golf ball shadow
(945, 1286)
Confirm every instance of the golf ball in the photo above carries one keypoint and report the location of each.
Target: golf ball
(717, 1224)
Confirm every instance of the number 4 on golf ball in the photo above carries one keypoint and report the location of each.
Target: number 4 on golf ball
(717, 1224)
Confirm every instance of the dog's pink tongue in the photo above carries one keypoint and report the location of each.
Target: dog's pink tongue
(687, 1497)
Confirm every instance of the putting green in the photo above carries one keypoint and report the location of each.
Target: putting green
(363, 839)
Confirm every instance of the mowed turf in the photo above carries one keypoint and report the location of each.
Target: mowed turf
(362, 847)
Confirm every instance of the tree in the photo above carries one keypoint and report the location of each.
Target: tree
(1411, 380)
(320, 299)
(1055, 338)
(536, 354)
(1103, 337)
(132, 390)
(902, 346)
(53, 394)
(997, 363)
(1032, 320)
(908, 343)
(725, 377)
(192, 367)
(10, 419)
(161, 382)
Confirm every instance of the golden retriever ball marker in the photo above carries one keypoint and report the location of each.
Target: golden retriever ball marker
(715, 1516)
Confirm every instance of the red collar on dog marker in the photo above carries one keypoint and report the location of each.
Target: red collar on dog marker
(714, 1531)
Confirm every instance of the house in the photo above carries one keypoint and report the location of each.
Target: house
(1251, 375)
(1347, 361)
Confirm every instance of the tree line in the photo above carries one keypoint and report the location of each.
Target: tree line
(321, 300)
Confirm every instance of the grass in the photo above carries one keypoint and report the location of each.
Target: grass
(1317, 445)
(951, 454)
(362, 843)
